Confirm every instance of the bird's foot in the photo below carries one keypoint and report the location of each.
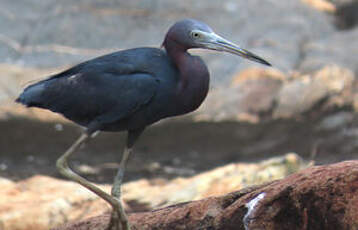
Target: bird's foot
(116, 223)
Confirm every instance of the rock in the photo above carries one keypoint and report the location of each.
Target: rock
(252, 92)
(339, 3)
(120, 25)
(304, 92)
(336, 121)
(42, 202)
(260, 94)
(336, 49)
(321, 197)
(6, 183)
(346, 16)
(216, 182)
(321, 5)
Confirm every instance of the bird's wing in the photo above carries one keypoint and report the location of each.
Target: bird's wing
(93, 96)
(104, 89)
(124, 95)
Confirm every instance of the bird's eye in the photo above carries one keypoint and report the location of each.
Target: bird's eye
(195, 34)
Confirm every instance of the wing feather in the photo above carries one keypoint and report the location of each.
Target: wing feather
(107, 98)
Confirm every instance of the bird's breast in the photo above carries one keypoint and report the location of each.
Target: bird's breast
(193, 86)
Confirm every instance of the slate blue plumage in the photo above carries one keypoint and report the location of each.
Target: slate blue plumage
(125, 90)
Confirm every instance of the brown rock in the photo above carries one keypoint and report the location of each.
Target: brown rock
(321, 197)
(42, 202)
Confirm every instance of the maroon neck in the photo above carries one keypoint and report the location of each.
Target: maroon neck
(179, 55)
(193, 76)
(176, 52)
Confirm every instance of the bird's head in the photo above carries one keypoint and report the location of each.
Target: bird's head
(189, 33)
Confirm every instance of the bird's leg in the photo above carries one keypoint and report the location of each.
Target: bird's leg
(116, 188)
(62, 164)
(66, 171)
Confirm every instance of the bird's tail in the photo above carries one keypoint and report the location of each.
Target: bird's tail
(31, 96)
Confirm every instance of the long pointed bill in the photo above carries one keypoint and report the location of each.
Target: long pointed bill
(215, 42)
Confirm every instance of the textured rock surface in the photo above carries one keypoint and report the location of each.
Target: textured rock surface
(42, 202)
(256, 94)
(321, 197)
(122, 24)
(213, 183)
(339, 49)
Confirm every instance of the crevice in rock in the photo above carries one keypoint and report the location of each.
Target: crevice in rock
(301, 52)
(346, 16)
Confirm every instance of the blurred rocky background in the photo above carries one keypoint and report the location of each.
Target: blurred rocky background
(305, 104)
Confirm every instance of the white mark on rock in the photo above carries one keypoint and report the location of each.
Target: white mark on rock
(250, 209)
(59, 127)
(93, 135)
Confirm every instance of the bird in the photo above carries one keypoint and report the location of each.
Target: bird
(128, 90)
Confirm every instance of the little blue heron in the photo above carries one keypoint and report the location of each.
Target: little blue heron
(129, 90)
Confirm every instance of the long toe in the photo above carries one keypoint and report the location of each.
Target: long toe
(114, 222)
(117, 224)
